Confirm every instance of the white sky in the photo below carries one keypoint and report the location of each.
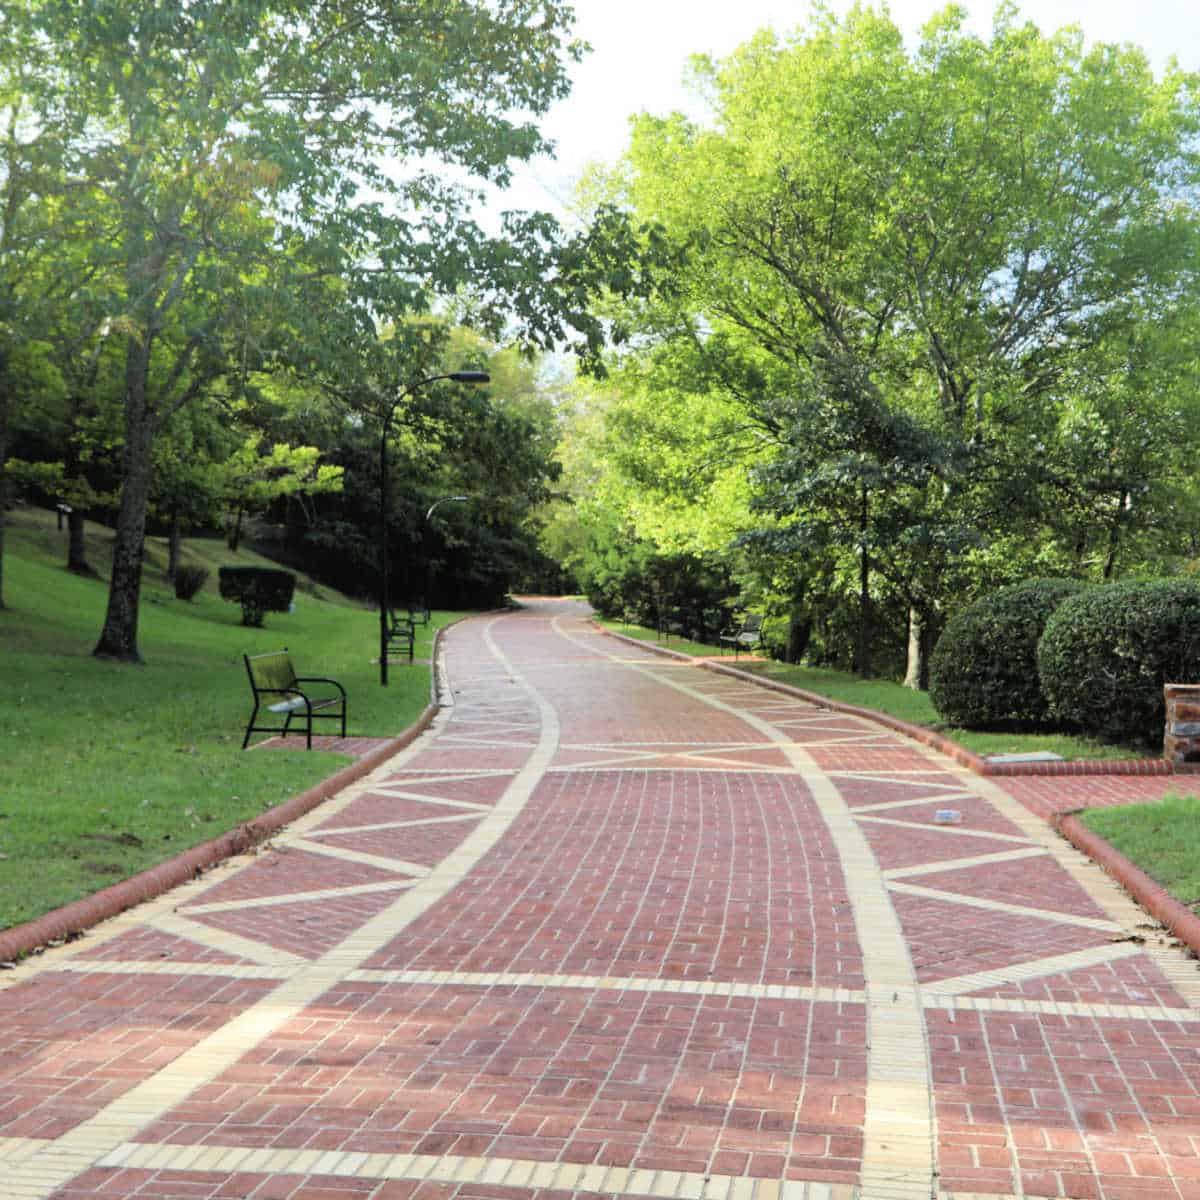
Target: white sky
(640, 50)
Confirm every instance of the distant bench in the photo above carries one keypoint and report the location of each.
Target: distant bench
(272, 675)
(745, 637)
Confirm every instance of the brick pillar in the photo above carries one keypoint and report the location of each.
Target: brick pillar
(1181, 741)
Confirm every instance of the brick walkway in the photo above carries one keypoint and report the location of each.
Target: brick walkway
(618, 926)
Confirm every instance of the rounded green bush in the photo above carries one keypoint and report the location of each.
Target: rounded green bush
(1105, 655)
(983, 670)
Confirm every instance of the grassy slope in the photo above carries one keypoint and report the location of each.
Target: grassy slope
(107, 769)
(905, 703)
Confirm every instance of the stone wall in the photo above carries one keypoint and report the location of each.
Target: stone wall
(1181, 740)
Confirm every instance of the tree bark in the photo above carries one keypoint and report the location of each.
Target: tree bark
(72, 470)
(1114, 539)
(76, 546)
(234, 537)
(174, 544)
(864, 590)
(916, 670)
(118, 638)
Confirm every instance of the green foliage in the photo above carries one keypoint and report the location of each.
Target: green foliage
(1106, 653)
(931, 321)
(983, 671)
(218, 189)
(258, 590)
(189, 579)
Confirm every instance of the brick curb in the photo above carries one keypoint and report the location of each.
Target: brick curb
(962, 756)
(1152, 896)
(90, 910)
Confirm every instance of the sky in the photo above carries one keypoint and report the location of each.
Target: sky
(640, 50)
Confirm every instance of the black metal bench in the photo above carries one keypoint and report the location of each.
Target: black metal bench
(745, 637)
(401, 633)
(272, 675)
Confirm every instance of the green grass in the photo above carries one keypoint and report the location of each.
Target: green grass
(108, 769)
(1162, 838)
(897, 701)
(668, 642)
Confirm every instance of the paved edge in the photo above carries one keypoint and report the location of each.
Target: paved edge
(1153, 897)
(937, 741)
(81, 914)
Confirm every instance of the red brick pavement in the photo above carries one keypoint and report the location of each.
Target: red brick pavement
(638, 955)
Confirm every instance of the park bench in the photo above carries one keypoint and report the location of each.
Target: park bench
(745, 637)
(401, 633)
(279, 690)
(418, 612)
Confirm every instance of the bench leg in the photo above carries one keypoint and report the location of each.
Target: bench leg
(250, 726)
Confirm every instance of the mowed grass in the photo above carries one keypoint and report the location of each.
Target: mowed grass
(895, 700)
(106, 769)
(1163, 838)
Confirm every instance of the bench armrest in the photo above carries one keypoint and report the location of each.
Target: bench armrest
(318, 679)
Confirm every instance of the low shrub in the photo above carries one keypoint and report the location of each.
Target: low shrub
(258, 590)
(1105, 655)
(188, 581)
(983, 670)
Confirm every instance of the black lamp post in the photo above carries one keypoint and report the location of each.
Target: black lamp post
(384, 600)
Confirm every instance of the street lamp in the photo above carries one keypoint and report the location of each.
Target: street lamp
(444, 500)
(425, 539)
(384, 601)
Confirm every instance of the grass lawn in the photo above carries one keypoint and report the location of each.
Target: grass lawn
(897, 701)
(1163, 838)
(107, 769)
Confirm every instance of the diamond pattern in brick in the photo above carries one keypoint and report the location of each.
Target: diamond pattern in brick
(651, 875)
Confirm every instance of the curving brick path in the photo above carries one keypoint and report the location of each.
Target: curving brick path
(618, 926)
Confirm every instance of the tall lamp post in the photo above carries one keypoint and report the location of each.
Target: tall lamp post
(384, 599)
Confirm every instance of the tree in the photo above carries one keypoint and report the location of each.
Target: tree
(959, 229)
(247, 148)
(253, 478)
(34, 218)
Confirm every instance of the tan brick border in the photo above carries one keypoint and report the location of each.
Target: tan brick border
(19, 940)
(936, 741)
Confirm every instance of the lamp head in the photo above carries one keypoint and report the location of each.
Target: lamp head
(470, 377)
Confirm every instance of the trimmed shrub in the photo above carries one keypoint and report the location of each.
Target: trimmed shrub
(189, 581)
(1106, 654)
(258, 590)
(983, 670)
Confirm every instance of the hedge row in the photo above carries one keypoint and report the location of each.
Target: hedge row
(1057, 651)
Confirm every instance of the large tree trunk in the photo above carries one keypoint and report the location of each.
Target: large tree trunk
(916, 675)
(118, 638)
(76, 546)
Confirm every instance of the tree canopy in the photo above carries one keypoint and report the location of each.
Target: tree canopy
(257, 182)
(930, 310)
